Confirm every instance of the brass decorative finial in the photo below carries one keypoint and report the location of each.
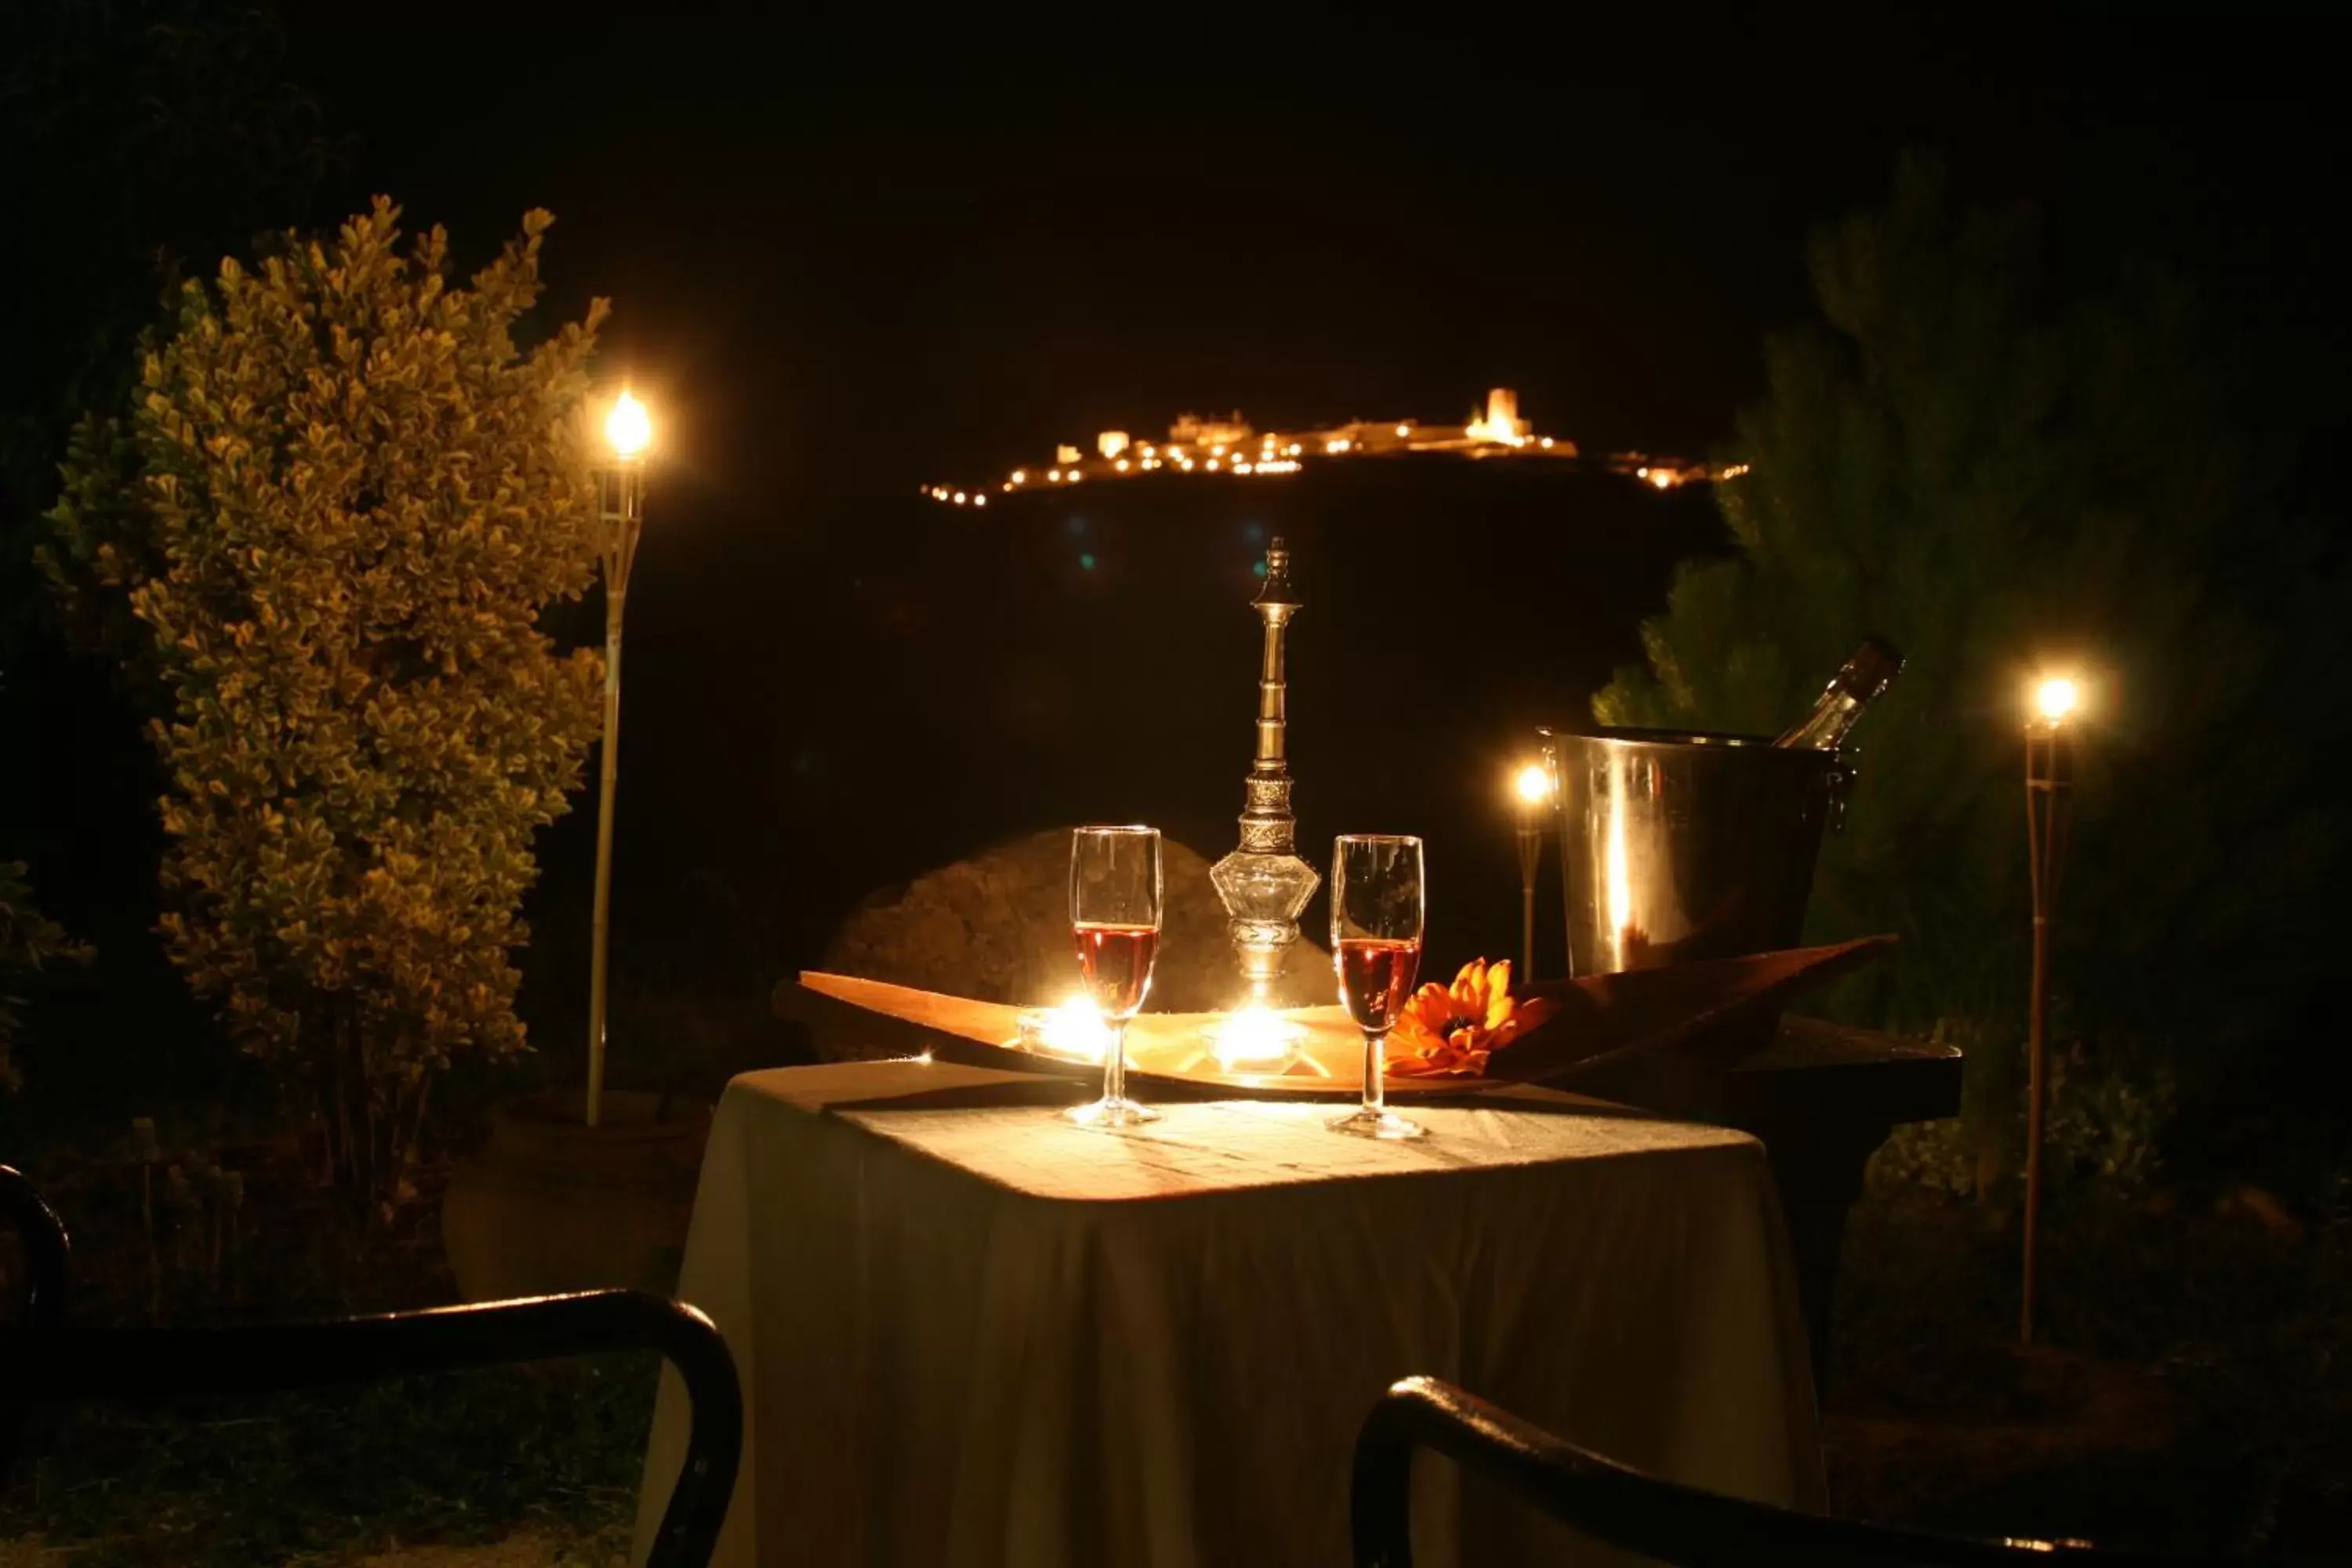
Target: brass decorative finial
(1277, 577)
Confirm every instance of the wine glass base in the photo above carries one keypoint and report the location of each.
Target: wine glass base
(1110, 1112)
(1376, 1125)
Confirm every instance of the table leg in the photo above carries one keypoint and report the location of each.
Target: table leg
(1820, 1167)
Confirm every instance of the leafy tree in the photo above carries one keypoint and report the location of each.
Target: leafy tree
(2000, 483)
(340, 506)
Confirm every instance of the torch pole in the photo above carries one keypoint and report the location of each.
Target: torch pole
(1530, 861)
(2046, 783)
(622, 524)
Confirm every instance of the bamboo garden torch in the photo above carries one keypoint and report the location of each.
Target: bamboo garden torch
(620, 505)
(2049, 779)
(1531, 789)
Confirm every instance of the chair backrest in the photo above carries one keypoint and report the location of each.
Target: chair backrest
(1681, 1526)
(46, 1361)
(41, 1239)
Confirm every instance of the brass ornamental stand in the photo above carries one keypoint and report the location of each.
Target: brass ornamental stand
(1263, 882)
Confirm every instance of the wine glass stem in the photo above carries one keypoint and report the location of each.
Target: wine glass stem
(1115, 1062)
(1376, 1066)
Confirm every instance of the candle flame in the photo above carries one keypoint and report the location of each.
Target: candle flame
(1074, 1027)
(1254, 1035)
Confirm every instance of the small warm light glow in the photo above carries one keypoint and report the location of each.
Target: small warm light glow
(628, 427)
(1533, 784)
(1216, 451)
(1111, 443)
(1120, 465)
(1545, 442)
(1662, 479)
(1071, 478)
(1295, 449)
(960, 497)
(1020, 476)
(1732, 472)
(1239, 467)
(1054, 475)
(980, 501)
(1405, 429)
(2057, 698)
(1147, 450)
(1213, 462)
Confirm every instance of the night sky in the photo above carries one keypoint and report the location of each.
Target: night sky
(870, 258)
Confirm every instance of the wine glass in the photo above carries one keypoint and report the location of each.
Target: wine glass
(1115, 900)
(1376, 904)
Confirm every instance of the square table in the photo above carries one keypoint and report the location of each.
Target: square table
(972, 1334)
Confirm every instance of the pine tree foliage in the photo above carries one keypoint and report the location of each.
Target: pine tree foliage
(2003, 485)
(339, 507)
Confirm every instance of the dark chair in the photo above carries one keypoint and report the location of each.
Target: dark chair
(1678, 1525)
(46, 1361)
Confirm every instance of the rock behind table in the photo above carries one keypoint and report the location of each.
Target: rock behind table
(996, 928)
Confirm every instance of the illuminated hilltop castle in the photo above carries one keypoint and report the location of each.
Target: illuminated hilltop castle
(1227, 444)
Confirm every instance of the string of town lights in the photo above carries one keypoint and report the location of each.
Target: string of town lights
(1226, 444)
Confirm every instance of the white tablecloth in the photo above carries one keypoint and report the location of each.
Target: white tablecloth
(973, 1335)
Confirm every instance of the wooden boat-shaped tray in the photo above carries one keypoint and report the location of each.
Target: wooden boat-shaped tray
(1603, 1019)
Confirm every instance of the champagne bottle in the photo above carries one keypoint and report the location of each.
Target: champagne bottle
(1857, 684)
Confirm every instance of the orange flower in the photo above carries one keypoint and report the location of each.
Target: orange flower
(1450, 1030)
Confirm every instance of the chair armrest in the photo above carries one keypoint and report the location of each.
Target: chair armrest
(1613, 1503)
(41, 1239)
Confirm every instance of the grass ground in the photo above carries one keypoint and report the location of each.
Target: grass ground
(502, 1466)
(543, 1460)
(2194, 1383)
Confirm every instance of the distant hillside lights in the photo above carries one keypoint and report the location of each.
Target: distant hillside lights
(1228, 444)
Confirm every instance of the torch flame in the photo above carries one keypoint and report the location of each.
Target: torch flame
(628, 427)
(2056, 699)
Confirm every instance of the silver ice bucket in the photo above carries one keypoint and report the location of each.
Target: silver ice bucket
(1680, 846)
